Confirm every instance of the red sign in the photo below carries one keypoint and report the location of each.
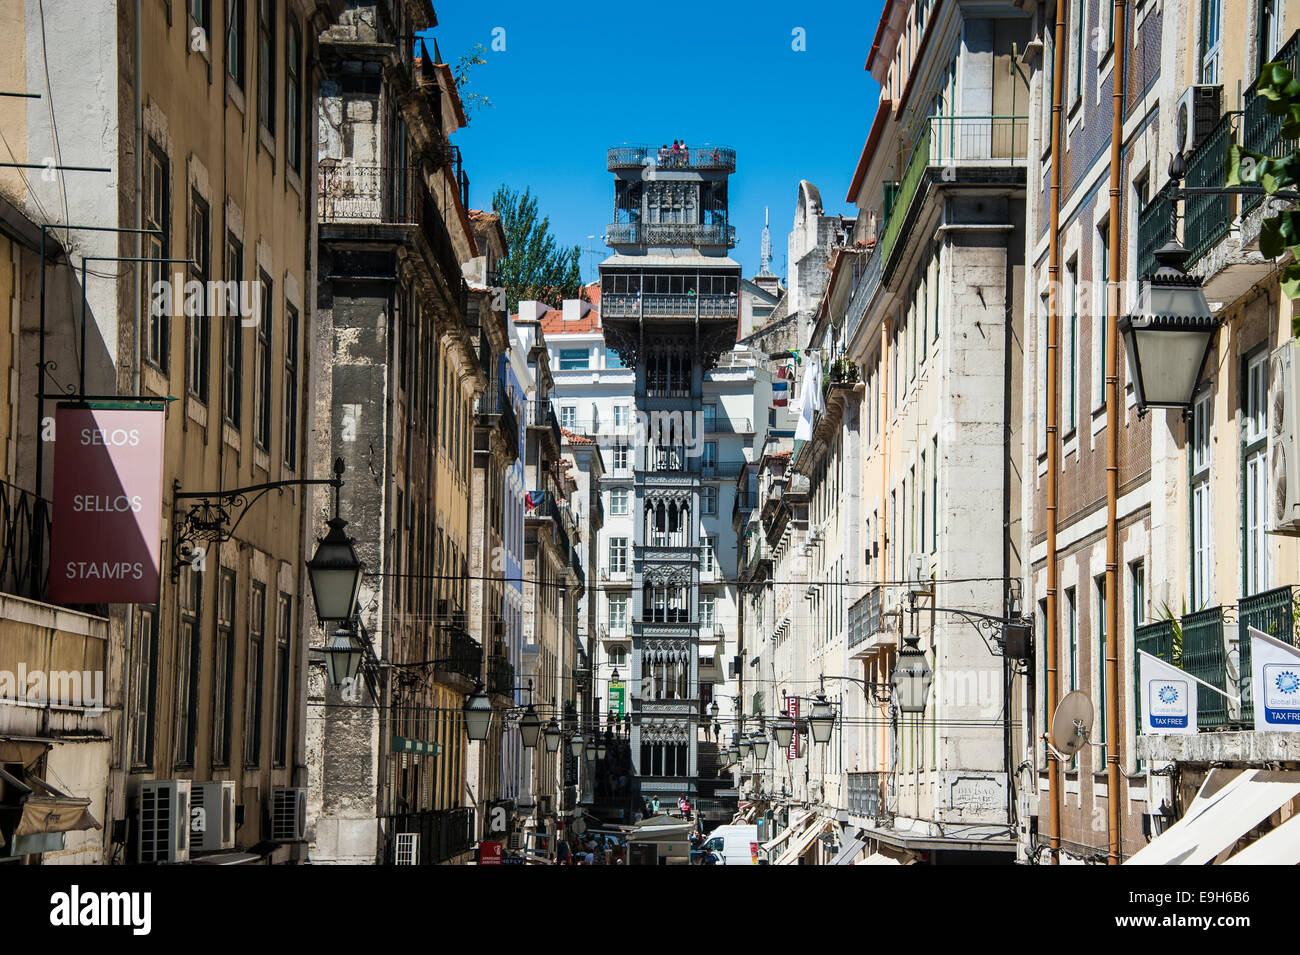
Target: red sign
(489, 853)
(107, 524)
(792, 711)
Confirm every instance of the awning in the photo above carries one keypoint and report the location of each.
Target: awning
(800, 845)
(1279, 847)
(796, 825)
(878, 858)
(1223, 811)
(41, 814)
(851, 850)
(228, 858)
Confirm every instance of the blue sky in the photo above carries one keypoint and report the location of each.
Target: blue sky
(576, 78)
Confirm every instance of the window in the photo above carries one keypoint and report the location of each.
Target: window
(708, 558)
(1071, 372)
(707, 601)
(618, 612)
(1202, 515)
(266, 64)
(1072, 646)
(568, 416)
(1100, 321)
(618, 501)
(293, 93)
(157, 215)
(1110, 22)
(262, 395)
(1077, 48)
(232, 350)
(290, 386)
(620, 457)
(1268, 36)
(573, 359)
(144, 667)
(187, 665)
(197, 310)
(1254, 471)
(618, 656)
(280, 736)
(710, 419)
(236, 52)
(201, 13)
(1100, 662)
(934, 495)
(709, 458)
(1211, 47)
(222, 678)
(1138, 578)
(709, 500)
(621, 416)
(923, 486)
(612, 360)
(618, 555)
(253, 677)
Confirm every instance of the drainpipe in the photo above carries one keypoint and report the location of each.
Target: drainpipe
(1115, 412)
(1053, 419)
(885, 329)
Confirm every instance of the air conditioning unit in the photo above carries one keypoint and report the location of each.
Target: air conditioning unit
(212, 815)
(288, 814)
(1198, 112)
(515, 841)
(164, 821)
(1283, 455)
(918, 572)
(406, 848)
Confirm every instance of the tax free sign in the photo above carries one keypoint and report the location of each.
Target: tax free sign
(107, 522)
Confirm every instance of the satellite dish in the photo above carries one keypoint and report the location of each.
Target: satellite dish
(1072, 723)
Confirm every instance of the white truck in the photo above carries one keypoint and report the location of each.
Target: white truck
(733, 845)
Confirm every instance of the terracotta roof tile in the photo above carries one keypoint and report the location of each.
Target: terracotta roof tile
(574, 438)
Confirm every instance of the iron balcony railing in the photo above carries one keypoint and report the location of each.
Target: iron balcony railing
(1261, 130)
(459, 652)
(24, 543)
(1155, 226)
(863, 792)
(1208, 218)
(542, 415)
(1160, 639)
(671, 233)
(656, 305)
(706, 157)
(348, 191)
(955, 141)
(866, 616)
(495, 402)
(1205, 657)
(728, 426)
(863, 292)
(501, 675)
(1272, 612)
(444, 833)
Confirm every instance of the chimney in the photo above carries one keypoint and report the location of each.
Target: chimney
(572, 309)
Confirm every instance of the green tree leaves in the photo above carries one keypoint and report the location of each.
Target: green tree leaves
(535, 268)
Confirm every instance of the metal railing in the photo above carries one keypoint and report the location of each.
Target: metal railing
(1208, 218)
(444, 833)
(671, 233)
(1261, 130)
(500, 675)
(866, 616)
(1159, 639)
(727, 426)
(459, 652)
(495, 402)
(1154, 230)
(657, 305)
(1205, 657)
(863, 794)
(705, 157)
(863, 292)
(24, 543)
(1272, 612)
(542, 415)
(349, 191)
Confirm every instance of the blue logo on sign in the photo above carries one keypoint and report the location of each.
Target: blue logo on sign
(1287, 682)
(1168, 693)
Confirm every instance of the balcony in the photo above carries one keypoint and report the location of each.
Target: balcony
(866, 616)
(500, 675)
(728, 426)
(460, 658)
(444, 833)
(1207, 219)
(965, 144)
(540, 414)
(656, 305)
(1272, 612)
(1205, 657)
(705, 158)
(24, 543)
(706, 234)
(863, 794)
(863, 292)
(1154, 229)
(495, 409)
(1261, 130)
(348, 191)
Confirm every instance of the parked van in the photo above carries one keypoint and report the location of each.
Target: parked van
(733, 845)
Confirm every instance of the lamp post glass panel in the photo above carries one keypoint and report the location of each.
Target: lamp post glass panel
(1169, 334)
(744, 746)
(760, 745)
(553, 736)
(822, 719)
(912, 677)
(342, 657)
(335, 574)
(478, 714)
(783, 732)
(575, 745)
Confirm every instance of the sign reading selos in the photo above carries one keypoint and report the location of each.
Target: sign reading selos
(107, 523)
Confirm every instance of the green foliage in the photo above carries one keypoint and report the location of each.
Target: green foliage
(471, 100)
(1281, 233)
(1176, 627)
(535, 268)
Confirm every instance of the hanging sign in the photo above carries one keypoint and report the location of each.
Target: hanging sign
(617, 697)
(1168, 697)
(792, 711)
(1275, 681)
(107, 523)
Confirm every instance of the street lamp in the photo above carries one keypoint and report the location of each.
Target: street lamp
(713, 710)
(912, 677)
(553, 736)
(744, 745)
(334, 573)
(760, 745)
(342, 656)
(783, 731)
(575, 745)
(822, 719)
(1169, 335)
(478, 714)
(530, 727)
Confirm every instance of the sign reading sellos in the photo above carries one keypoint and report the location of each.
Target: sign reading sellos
(107, 524)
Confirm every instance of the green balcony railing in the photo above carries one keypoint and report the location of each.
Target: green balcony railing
(917, 164)
(1262, 131)
(1205, 657)
(1208, 218)
(1272, 612)
(1159, 640)
(1154, 230)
